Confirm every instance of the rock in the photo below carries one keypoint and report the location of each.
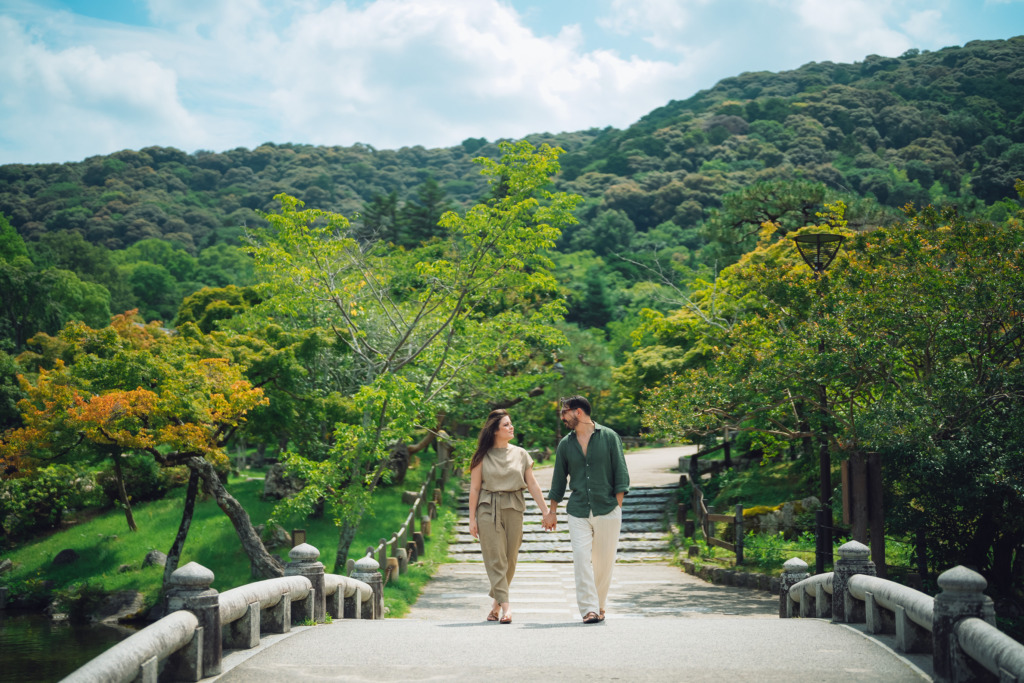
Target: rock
(788, 514)
(66, 556)
(810, 504)
(279, 485)
(120, 605)
(409, 497)
(6, 565)
(124, 568)
(274, 537)
(155, 557)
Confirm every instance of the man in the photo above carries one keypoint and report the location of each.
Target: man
(591, 457)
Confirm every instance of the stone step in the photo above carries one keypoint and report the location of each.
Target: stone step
(531, 508)
(548, 536)
(642, 537)
(566, 556)
(635, 495)
(629, 526)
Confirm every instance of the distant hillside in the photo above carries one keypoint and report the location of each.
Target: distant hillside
(928, 126)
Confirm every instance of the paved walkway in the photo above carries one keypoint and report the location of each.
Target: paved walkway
(662, 625)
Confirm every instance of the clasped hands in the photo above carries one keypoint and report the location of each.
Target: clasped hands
(550, 521)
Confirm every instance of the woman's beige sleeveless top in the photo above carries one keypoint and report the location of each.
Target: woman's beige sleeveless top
(503, 473)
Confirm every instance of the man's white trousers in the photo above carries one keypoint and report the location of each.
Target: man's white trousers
(595, 541)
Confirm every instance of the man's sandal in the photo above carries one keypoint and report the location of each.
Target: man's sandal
(507, 619)
(591, 618)
(493, 616)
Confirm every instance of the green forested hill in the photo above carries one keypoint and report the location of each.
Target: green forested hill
(925, 126)
(692, 180)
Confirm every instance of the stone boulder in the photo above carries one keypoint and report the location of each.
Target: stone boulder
(279, 485)
(64, 557)
(274, 536)
(154, 557)
(120, 606)
(6, 565)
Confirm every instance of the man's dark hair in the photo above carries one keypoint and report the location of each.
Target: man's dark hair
(574, 402)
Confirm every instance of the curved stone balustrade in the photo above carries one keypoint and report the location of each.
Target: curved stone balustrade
(203, 623)
(268, 593)
(891, 596)
(138, 656)
(348, 587)
(958, 625)
(997, 652)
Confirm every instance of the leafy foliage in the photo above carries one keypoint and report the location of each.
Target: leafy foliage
(418, 331)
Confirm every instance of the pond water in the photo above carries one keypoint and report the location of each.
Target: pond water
(35, 648)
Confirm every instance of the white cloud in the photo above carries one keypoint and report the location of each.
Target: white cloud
(222, 73)
(217, 74)
(852, 29)
(74, 102)
(659, 22)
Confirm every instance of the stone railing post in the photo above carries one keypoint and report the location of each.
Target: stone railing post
(793, 572)
(962, 596)
(190, 590)
(854, 558)
(367, 571)
(304, 563)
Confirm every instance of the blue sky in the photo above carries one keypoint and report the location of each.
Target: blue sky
(86, 77)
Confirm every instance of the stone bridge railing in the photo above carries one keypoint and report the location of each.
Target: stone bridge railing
(957, 626)
(188, 644)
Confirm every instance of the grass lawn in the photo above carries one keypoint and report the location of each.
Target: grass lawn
(105, 544)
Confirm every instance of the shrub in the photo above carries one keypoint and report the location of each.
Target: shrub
(143, 478)
(40, 500)
(765, 550)
(79, 600)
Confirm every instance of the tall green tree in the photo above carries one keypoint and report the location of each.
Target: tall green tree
(417, 325)
(915, 336)
(419, 220)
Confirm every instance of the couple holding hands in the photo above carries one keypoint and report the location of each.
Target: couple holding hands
(590, 459)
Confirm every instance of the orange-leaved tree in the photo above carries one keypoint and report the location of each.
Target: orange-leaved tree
(177, 397)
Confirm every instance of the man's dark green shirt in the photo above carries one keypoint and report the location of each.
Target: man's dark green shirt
(594, 478)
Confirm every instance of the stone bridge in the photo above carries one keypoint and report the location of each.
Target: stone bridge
(662, 625)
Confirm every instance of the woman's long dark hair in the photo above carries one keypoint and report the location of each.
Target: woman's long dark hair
(485, 442)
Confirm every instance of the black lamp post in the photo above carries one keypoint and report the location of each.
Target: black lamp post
(818, 251)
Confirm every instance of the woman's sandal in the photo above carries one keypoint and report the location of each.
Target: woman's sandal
(493, 616)
(591, 618)
(507, 619)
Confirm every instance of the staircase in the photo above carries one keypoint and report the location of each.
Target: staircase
(644, 535)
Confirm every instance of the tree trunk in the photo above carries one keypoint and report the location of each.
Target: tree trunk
(1003, 550)
(123, 494)
(264, 565)
(399, 462)
(174, 554)
(346, 534)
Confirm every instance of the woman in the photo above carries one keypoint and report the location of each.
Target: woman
(498, 474)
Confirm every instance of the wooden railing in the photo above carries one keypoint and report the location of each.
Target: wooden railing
(707, 518)
(957, 626)
(407, 544)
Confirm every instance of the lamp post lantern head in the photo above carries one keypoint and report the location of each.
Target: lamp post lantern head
(818, 249)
